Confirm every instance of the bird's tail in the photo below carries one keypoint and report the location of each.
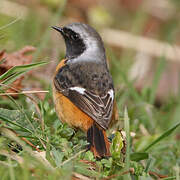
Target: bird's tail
(98, 141)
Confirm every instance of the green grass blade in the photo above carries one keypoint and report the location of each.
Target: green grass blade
(46, 36)
(156, 79)
(177, 169)
(170, 178)
(6, 119)
(12, 78)
(131, 87)
(150, 163)
(137, 156)
(164, 135)
(22, 68)
(11, 169)
(127, 130)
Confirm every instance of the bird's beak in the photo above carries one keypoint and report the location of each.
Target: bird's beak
(58, 29)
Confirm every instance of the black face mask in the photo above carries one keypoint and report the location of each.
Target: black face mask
(74, 44)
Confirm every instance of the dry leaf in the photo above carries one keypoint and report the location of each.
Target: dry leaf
(17, 58)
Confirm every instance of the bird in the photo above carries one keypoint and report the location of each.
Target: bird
(83, 89)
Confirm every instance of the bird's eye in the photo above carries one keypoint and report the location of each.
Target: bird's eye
(74, 37)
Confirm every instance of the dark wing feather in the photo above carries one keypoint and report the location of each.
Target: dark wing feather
(97, 107)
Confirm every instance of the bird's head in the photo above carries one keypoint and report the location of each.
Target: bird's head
(81, 41)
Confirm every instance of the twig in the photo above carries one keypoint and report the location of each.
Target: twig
(157, 175)
(24, 139)
(32, 145)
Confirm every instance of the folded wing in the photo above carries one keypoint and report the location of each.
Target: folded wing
(96, 106)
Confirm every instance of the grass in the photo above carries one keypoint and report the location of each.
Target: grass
(34, 144)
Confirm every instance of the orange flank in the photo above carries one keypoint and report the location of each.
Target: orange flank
(70, 113)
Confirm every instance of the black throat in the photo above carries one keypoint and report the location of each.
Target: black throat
(74, 48)
(74, 44)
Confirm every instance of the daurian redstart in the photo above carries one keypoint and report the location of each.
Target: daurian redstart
(83, 88)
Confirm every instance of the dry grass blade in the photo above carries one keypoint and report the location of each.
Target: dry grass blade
(162, 9)
(77, 176)
(40, 156)
(12, 155)
(146, 45)
(9, 24)
(35, 103)
(73, 157)
(23, 92)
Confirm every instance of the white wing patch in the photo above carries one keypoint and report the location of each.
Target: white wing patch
(78, 89)
(111, 93)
